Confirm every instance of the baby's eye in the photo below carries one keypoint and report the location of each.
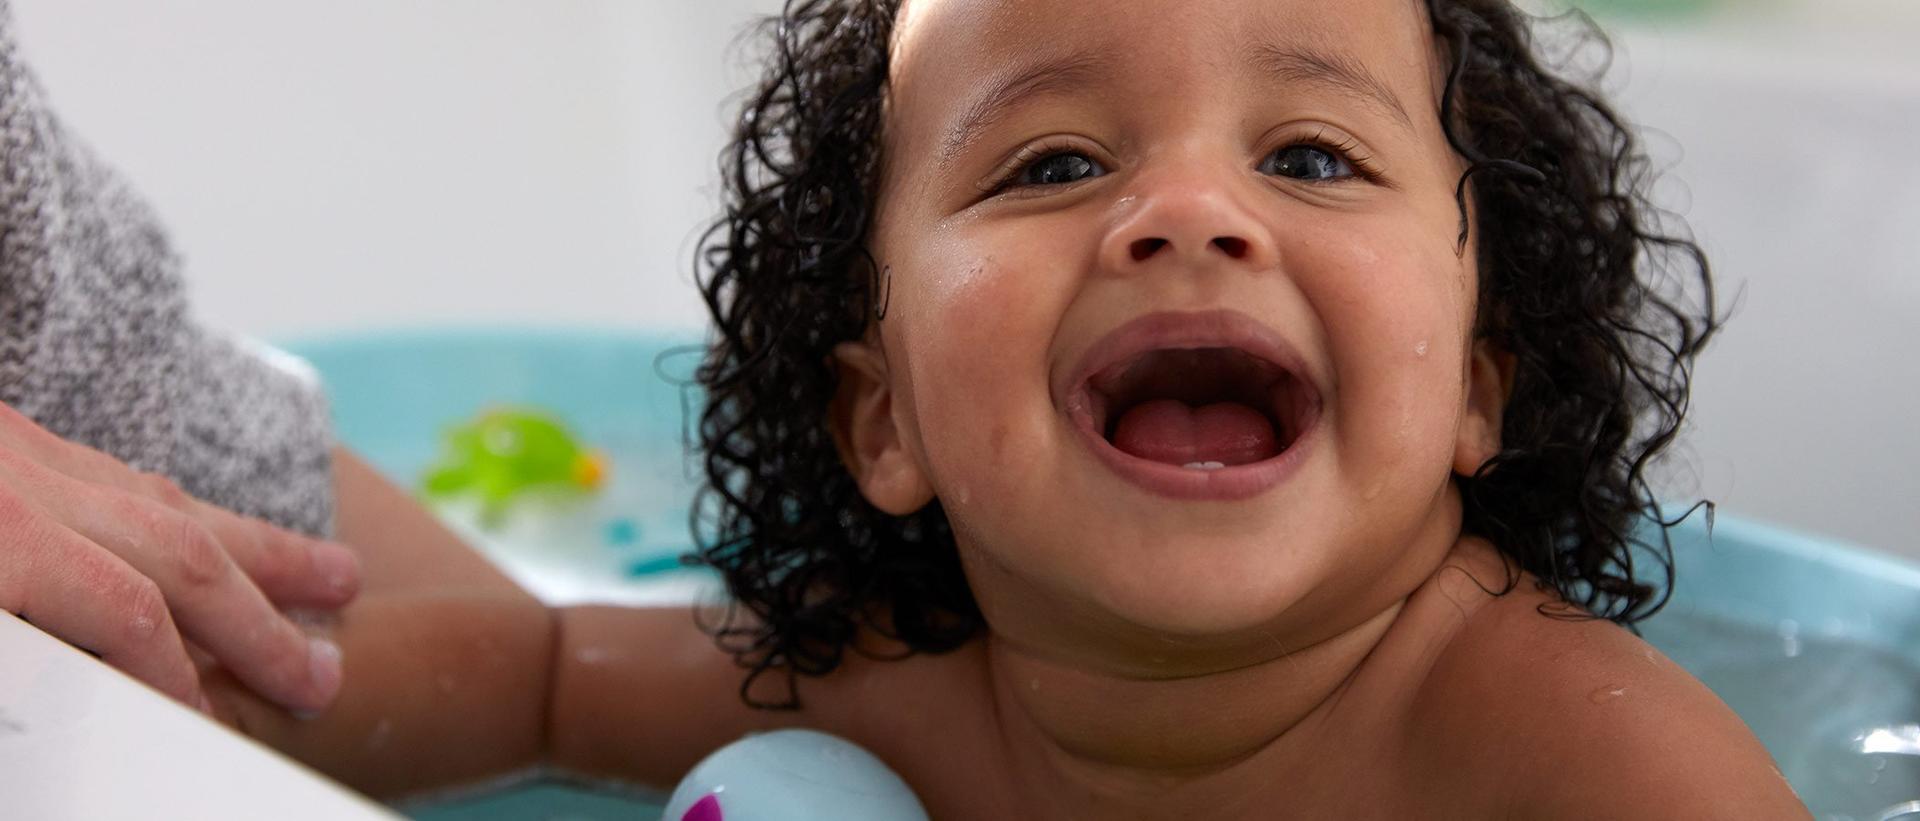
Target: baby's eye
(1306, 162)
(1059, 169)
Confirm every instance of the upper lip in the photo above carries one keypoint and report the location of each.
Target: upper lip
(1183, 331)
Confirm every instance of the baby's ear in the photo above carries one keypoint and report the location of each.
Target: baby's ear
(867, 435)
(1489, 384)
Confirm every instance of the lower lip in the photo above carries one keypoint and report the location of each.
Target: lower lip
(1226, 484)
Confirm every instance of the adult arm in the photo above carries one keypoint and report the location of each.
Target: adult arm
(107, 385)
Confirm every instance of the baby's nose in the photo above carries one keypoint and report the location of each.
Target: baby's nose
(1191, 221)
(1144, 248)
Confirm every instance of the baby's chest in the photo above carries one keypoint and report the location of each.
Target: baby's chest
(967, 771)
(965, 759)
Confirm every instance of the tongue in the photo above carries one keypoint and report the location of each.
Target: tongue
(1167, 430)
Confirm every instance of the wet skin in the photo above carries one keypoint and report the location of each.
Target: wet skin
(1059, 169)
(1316, 641)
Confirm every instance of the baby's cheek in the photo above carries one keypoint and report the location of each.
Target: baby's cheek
(1420, 406)
(1399, 347)
(976, 356)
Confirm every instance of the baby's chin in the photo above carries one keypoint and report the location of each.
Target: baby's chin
(1205, 592)
(1206, 601)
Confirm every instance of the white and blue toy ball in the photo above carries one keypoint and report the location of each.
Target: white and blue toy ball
(792, 775)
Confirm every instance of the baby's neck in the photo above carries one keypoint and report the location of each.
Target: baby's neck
(1126, 740)
(1112, 730)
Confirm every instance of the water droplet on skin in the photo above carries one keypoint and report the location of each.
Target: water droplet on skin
(381, 733)
(1606, 694)
(312, 620)
(1034, 685)
(1420, 349)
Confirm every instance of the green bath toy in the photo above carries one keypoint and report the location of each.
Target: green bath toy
(506, 452)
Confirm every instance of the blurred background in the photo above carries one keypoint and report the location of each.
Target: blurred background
(361, 164)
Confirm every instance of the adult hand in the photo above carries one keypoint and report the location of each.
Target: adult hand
(127, 566)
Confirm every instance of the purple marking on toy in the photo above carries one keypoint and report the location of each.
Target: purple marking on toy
(706, 809)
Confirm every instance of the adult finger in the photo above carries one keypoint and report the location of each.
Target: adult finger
(22, 435)
(212, 601)
(88, 597)
(293, 570)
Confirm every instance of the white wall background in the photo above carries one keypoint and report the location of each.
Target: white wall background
(1799, 169)
(360, 163)
(376, 162)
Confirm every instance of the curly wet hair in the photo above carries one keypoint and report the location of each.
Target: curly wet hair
(1600, 299)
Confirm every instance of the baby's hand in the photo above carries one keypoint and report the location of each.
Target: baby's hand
(128, 567)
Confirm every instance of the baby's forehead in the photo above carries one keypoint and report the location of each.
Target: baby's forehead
(949, 54)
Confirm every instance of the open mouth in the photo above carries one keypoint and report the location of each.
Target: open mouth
(1199, 408)
(1195, 405)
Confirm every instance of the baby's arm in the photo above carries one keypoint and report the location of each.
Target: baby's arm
(454, 674)
(446, 660)
(441, 689)
(643, 694)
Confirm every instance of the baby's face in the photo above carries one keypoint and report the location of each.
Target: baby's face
(1177, 328)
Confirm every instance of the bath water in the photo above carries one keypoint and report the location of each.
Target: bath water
(1841, 717)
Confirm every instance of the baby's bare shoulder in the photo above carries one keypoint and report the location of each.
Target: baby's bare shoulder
(1567, 716)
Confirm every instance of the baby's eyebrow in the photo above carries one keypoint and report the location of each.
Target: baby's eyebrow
(1040, 77)
(1293, 63)
(1304, 64)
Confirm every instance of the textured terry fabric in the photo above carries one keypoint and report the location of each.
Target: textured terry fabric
(96, 343)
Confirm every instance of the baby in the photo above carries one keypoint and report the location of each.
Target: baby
(1164, 408)
(1232, 408)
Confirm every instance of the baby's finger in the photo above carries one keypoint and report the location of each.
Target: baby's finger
(86, 596)
(291, 569)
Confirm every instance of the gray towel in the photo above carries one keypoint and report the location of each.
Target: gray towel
(97, 345)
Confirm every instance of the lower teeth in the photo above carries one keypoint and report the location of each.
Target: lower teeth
(1204, 465)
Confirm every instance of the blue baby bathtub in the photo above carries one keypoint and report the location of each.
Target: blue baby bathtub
(1815, 644)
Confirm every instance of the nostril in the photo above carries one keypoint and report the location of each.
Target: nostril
(1144, 248)
(1234, 247)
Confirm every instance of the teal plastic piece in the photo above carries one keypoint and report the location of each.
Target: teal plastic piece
(393, 394)
(539, 801)
(1746, 572)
